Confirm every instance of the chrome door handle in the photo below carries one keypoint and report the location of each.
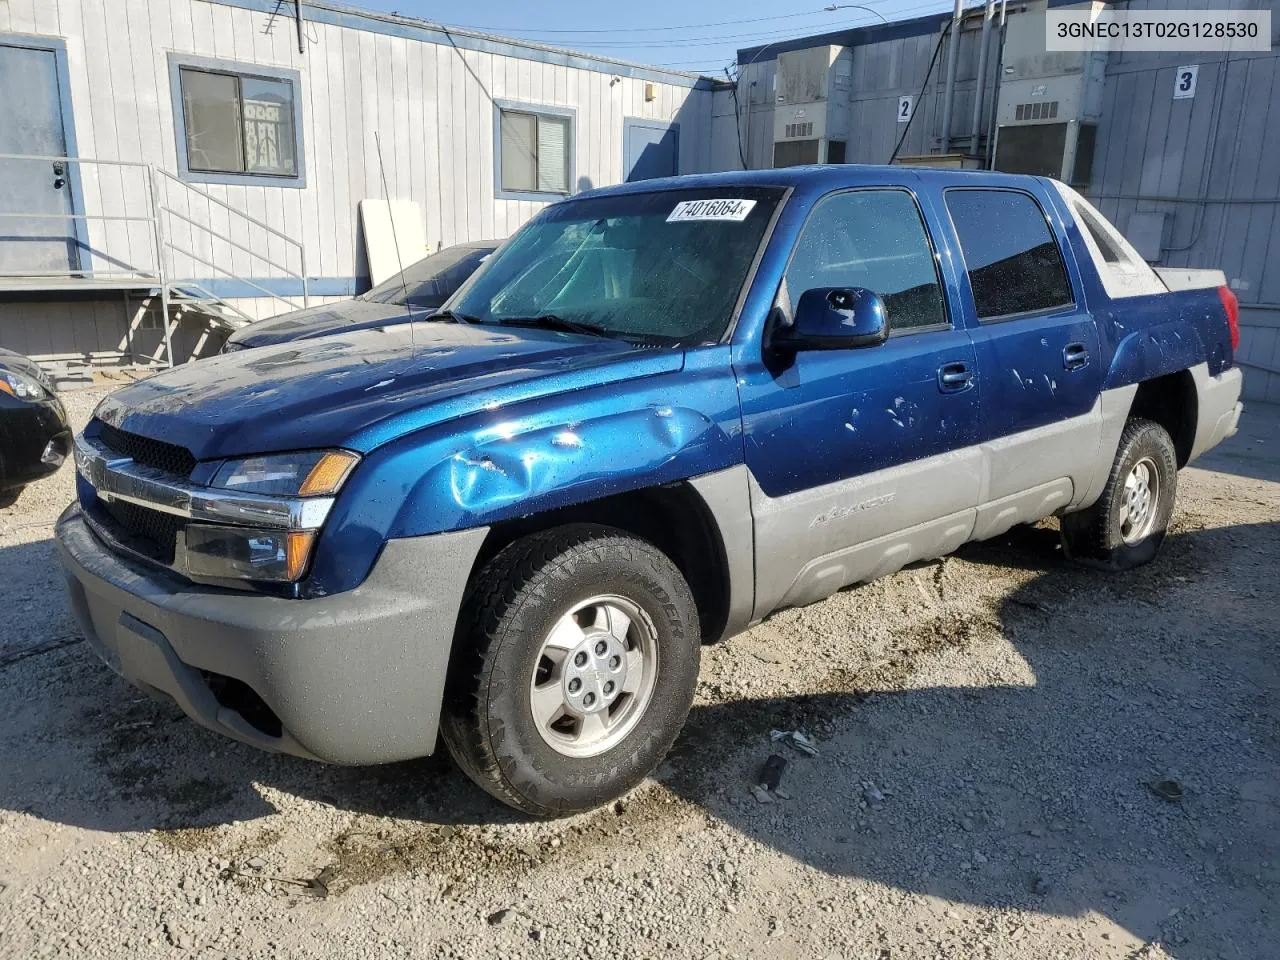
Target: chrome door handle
(1075, 356)
(954, 376)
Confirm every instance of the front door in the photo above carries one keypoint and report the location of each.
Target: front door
(652, 150)
(862, 460)
(42, 238)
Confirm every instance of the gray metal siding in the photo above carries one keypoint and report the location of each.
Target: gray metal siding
(1212, 166)
(1211, 163)
(883, 72)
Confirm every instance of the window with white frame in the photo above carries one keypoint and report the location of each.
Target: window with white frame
(534, 148)
(238, 123)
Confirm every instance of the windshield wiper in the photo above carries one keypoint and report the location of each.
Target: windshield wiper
(453, 315)
(552, 322)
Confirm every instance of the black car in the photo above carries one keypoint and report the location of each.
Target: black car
(420, 289)
(34, 435)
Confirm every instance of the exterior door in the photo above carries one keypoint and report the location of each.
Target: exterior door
(1037, 347)
(862, 460)
(652, 150)
(43, 239)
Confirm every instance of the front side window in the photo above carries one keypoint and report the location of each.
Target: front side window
(533, 151)
(1012, 257)
(661, 268)
(238, 124)
(873, 239)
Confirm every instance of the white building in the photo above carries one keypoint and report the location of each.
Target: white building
(214, 153)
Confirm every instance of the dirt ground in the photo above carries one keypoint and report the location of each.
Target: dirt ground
(988, 730)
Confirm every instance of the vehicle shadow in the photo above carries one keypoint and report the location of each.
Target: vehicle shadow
(1032, 790)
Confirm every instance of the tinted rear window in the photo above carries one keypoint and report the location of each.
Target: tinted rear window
(1013, 260)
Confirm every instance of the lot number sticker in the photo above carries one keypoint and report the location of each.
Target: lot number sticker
(1184, 82)
(906, 107)
(735, 210)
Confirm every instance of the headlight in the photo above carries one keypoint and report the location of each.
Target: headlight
(252, 553)
(21, 386)
(314, 473)
(245, 553)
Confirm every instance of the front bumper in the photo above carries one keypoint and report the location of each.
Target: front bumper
(34, 439)
(356, 678)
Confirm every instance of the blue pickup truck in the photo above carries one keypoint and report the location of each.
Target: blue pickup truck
(660, 412)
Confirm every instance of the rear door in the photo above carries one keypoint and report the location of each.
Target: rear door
(1038, 353)
(36, 234)
(863, 459)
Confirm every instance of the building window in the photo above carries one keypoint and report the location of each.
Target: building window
(237, 124)
(535, 151)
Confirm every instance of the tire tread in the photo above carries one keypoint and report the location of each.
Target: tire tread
(496, 593)
(1087, 535)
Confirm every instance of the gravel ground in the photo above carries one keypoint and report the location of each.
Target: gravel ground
(988, 728)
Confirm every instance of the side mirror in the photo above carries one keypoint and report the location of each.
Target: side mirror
(835, 318)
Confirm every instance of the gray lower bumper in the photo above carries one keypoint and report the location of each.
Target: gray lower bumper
(355, 678)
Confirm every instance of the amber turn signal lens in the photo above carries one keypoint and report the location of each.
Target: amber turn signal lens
(298, 552)
(327, 475)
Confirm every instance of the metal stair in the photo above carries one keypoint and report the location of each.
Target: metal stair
(179, 262)
(194, 240)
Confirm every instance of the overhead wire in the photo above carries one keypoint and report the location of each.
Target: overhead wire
(937, 48)
(617, 30)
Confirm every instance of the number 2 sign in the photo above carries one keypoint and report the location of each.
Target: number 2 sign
(1184, 82)
(906, 105)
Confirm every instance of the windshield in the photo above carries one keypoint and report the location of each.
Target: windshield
(662, 267)
(431, 281)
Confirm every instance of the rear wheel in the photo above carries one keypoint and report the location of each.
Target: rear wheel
(1125, 527)
(576, 669)
(9, 497)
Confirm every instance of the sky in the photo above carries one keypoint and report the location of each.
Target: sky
(701, 37)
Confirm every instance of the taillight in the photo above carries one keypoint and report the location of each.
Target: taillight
(1232, 305)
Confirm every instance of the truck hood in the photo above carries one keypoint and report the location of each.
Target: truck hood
(361, 389)
(325, 319)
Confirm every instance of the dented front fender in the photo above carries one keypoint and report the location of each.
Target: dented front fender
(514, 460)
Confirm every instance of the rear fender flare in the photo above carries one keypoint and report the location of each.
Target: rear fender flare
(1153, 352)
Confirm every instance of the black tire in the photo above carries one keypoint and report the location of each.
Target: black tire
(9, 497)
(487, 721)
(1095, 536)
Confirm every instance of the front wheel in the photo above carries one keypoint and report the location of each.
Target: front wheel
(576, 669)
(1126, 526)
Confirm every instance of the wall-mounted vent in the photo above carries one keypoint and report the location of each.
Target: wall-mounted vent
(1037, 111)
(799, 129)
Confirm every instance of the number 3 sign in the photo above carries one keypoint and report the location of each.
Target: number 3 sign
(1184, 82)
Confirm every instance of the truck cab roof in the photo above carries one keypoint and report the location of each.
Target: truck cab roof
(820, 178)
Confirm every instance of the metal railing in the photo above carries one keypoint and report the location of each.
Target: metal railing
(148, 217)
(163, 179)
(155, 193)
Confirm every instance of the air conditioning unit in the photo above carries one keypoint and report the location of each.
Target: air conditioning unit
(1047, 117)
(812, 112)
